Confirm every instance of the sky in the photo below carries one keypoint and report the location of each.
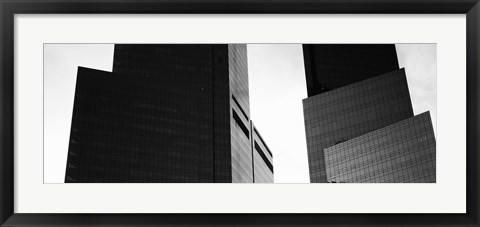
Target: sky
(277, 87)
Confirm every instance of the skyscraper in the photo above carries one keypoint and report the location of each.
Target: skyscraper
(361, 90)
(402, 152)
(263, 157)
(330, 66)
(167, 113)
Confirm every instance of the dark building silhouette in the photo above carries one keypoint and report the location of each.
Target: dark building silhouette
(357, 102)
(330, 66)
(167, 113)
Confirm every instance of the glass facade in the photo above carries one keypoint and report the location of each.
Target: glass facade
(403, 152)
(339, 115)
(167, 113)
(330, 66)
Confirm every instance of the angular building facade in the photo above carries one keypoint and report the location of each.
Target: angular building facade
(403, 152)
(167, 113)
(262, 158)
(339, 115)
(361, 90)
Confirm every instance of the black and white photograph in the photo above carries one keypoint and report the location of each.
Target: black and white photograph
(240, 113)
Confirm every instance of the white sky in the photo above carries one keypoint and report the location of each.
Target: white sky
(277, 87)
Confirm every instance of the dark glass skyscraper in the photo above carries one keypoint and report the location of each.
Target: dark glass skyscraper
(330, 66)
(354, 90)
(342, 114)
(167, 113)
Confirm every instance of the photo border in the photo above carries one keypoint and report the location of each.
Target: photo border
(9, 8)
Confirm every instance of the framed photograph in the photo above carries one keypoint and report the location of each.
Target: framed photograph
(213, 113)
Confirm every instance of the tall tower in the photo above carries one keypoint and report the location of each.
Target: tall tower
(330, 66)
(355, 90)
(167, 113)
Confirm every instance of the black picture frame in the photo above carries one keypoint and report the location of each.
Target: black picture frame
(9, 8)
